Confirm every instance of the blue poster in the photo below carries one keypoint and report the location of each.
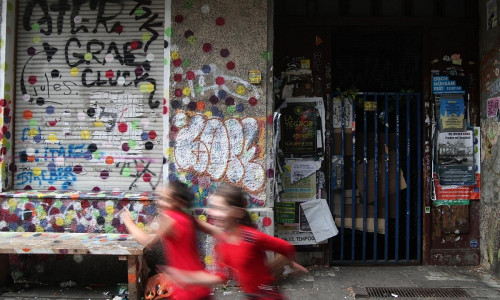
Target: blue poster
(452, 114)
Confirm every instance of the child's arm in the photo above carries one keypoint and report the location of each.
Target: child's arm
(184, 277)
(209, 229)
(141, 236)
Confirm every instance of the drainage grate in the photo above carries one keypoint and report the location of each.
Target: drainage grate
(390, 292)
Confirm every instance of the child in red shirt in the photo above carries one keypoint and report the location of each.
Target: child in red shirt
(178, 234)
(241, 249)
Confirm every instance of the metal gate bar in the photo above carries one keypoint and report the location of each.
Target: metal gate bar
(411, 208)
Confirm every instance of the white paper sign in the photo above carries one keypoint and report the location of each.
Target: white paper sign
(303, 169)
(337, 113)
(320, 219)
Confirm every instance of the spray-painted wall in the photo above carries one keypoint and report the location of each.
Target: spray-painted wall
(490, 147)
(218, 118)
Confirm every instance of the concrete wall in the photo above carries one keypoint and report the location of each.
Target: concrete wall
(490, 148)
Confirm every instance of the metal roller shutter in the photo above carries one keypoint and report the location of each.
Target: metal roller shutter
(89, 95)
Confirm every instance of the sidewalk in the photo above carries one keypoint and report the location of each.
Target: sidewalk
(322, 283)
(347, 282)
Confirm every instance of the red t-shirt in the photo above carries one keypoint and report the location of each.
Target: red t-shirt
(181, 253)
(246, 260)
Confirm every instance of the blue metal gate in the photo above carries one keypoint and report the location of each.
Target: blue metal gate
(376, 170)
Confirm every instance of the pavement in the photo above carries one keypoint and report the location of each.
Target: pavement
(350, 282)
(334, 282)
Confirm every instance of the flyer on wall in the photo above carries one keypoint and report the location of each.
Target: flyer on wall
(455, 158)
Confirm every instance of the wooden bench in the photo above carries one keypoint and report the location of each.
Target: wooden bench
(122, 245)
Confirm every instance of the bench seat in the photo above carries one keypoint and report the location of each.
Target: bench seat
(122, 245)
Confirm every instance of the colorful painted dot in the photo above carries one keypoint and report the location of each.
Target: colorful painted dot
(229, 101)
(37, 171)
(266, 221)
(222, 94)
(109, 57)
(104, 174)
(138, 71)
(119, 29)
(132, 143)
(146, 37)
(240, 90)
(53, 137)
(190, 75)
(126, 172)
(88, 56)
(139, 12)
(206, 69)
(28, 114)
(198, 88)
(207, 47)
(177, 77)
(205, 9)
(179, 19)
(186, 62)
(152, 134)
(134, 45)
(213, 99)
(200, 105)
(110, 160)
(230, 66)
(150, 57)
(77, 19)
(231, 109)
(220, 21)
(186, 91)
(191, 40)
(134, 124)
(122, 127)
(36, 39)
(220, 80)
(224, 52)
(147, 88)
(35, 27)
(240, 107)
(74, 71)
(146, 177)
(168, 32)
(121, 80)
(177, 62)
(31, 51)
(252, 101)
(85, 134)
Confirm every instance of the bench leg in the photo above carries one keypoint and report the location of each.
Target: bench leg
(133, 277)
(4, 269)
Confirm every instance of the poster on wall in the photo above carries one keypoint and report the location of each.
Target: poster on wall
(342, 107)
(452, 113)
(301, 190)
(455, 158)
(299, 123)
(461, 194)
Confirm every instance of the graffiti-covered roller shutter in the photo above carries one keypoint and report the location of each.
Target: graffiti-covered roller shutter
(89, 95)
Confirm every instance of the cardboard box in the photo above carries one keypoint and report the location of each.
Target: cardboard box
(337, 141)
(370, 182)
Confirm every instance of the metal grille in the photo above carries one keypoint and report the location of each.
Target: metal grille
(389, 292)
(89, 95)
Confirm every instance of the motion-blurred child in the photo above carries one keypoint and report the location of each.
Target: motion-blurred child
(177, 231)
(241, 249)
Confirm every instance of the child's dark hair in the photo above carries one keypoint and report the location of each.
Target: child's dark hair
(181, 191)
(234, 196)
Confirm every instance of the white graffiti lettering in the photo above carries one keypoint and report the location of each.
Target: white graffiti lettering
(226, 150)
